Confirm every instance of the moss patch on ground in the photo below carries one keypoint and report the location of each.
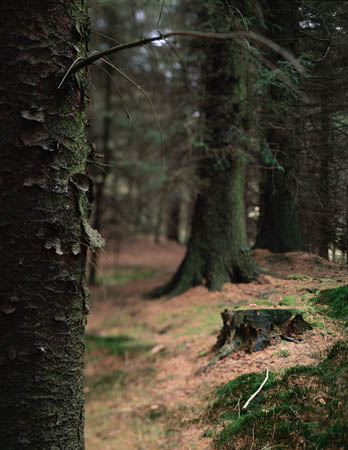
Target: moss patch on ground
(334, 302)
(308, 405)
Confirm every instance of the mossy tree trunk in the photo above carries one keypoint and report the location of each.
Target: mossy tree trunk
(279, 228)
(218, 249)
(44, 231)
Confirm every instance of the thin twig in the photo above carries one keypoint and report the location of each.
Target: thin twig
(238, 405)
(69, 71)
(128, 115)
(255, 394)
(139, 88)
(160, 14)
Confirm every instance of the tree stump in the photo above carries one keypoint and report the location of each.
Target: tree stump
(254, 329)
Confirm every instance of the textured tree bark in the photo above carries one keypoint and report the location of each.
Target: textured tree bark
(218, 249)
(44, 230)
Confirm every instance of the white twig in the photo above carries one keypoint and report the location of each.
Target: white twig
(259, 389)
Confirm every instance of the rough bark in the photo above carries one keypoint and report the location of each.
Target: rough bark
(44, 233)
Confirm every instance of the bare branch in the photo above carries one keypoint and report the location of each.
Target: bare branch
(235, 36)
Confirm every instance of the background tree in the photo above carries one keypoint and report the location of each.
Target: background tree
(218, 249)
(279, 223)
(323, 162)
(44, 228)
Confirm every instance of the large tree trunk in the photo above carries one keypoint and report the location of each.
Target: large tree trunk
(218, 249)
(44, 230)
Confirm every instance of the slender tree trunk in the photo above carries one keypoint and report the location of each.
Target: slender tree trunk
(44, 228)
(325, 206)
(100, 187)
(279, 228)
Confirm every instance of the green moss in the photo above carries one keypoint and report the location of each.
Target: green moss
(306, 404)
(334, 302)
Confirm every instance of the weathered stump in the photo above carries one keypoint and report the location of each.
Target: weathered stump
(254, 329)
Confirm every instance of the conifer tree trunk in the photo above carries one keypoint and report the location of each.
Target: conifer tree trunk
(279, 228)
(44, 228)
(218, 249)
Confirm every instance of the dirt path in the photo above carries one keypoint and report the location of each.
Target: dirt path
(163, 391)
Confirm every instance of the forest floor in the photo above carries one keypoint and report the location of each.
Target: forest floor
(146, 384)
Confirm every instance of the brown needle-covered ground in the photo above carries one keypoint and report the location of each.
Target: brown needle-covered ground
(153, 397)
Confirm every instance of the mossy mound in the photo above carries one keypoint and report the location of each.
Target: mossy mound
(307, 407)
(334, 302)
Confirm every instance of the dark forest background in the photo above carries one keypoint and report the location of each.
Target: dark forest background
(162, 112)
